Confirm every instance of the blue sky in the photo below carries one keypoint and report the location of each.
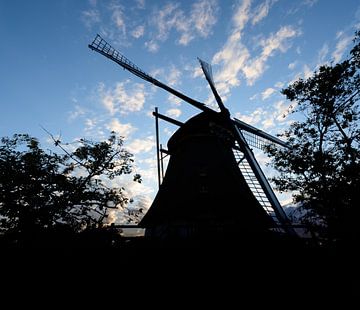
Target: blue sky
(50, 78)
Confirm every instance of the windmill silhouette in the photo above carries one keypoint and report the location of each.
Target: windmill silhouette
(213, 185)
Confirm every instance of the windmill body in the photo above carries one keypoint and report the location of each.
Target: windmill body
(213, 184)
(204, 194)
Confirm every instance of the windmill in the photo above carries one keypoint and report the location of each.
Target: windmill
(211, 164)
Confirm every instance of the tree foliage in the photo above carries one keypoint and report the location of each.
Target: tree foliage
(322, 163)
(43, 192)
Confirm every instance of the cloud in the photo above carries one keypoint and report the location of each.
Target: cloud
(261, 11)
(323, 53)
(198, 22)
(203, 16)
(173, 113)
(267, 118)
(90, 17)
(140, 4)
(118, 17)
(90, 124)
(141, 145)
(278, 115)
(275, 42)
(138, 32)
(309, 3)
(307, 72)
(152, 46)
(252, 119)
(279, 84)
(79, 111)
(343, 42)
(123, 98)
(267, 93)
(173, 76)
(233, 55)
(292, 65)
(124, 130)
(174, 100)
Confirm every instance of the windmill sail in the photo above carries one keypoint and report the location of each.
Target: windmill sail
(102, 47)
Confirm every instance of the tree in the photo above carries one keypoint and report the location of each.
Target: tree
(45, 192)
(322, 163)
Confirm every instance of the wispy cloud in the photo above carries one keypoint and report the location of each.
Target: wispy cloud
(233, 55)
(140, 4)
(138, 32)
(269, 118)
(267, 93)
(152, 46)
(123, 98)
(90, 17)
(189, 25)
(275, 42)
(261, 11)
(292, 65)
(203, 16)
(343, 42)
(253, 118)
(323, 54)
(309, 3)
(77, 112)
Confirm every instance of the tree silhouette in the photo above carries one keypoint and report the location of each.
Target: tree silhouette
(323, 161)
(44, 193)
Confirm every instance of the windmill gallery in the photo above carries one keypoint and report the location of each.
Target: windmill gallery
(212, 162)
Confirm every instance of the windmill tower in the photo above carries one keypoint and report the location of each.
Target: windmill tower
(213, 186)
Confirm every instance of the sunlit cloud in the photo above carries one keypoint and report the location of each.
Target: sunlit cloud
(279, 84)
(138, 32)
(174, 100)
(141, 145)
(323, 54)
(173, 77)
(307, 72)
(261, 11)
(292, 65)
(77, 112)
(124, 130)
(233, 55)
(343, 42)
(118, 17)
(204, 16)
(267, 93)
(253, 118)
(173, 113)
(124, 98)
(198, 22)
(152, 46)
(275, 42)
